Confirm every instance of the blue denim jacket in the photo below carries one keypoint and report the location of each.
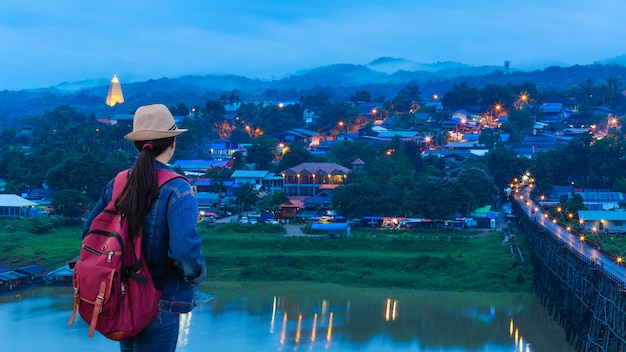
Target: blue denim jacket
(170, 240)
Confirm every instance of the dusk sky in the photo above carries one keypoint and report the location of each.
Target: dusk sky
(44, 43)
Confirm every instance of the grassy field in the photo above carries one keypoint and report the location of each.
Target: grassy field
(451, 261)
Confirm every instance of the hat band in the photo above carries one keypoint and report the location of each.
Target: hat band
(173, 128)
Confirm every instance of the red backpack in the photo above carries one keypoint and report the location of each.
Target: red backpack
(113, 289)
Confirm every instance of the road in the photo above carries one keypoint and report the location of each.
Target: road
(606, 264)
(292, 230)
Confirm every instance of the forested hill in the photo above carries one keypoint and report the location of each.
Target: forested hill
(339, 81)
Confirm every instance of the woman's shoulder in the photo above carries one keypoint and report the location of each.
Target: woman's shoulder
(179, 183)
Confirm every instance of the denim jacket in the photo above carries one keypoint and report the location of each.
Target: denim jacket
(171, 244)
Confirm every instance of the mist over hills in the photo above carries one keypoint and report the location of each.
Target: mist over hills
(383, 77)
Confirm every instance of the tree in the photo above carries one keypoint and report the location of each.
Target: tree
(357, 197)
(296, 155)
(479, 188)
(346, 152)
(461, 95)
(239, 161)
(261, 152)
(364, 96)
(271, 203)
(504, 165)
(70, 203)
(406, 98)
(246, 195)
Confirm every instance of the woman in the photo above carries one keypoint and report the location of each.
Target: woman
(168, 216)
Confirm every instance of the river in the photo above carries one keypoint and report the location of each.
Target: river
(259, 317)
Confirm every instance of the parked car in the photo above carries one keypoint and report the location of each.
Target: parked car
(244, 220)
(207, 219)
(253, 221)
(272, 221)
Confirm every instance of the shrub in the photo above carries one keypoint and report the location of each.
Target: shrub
(41, 225)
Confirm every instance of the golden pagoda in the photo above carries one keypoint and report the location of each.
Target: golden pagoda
(115, 92)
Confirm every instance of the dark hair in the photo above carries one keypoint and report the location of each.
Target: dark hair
(141, 188)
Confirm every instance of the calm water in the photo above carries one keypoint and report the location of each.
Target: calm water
(306, 317)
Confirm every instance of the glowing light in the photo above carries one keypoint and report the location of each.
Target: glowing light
(283, 332)
(298, 330)
(274, 306)
(511, 328)
(330, 327)
(387, 309)
(314, 330)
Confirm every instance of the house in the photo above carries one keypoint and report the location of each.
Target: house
(309, 116)
(357, 164)
(554, 112)
(199, 167)
(603, 111)
(12, 280)
(222, 150)
(12, 205)
(288, 210)
(601, 200)
(402, 135)
(320, 201)
(60, 276)
(306, 137)
(437, 105)
(423, 117)
(308, 179)
(603, 221)
(533, 144)
(451, 157)
(461, 115)
(346, 136)
(368, 112)
(43, 197)
(208, 201)
(34, 275)
(268, 181)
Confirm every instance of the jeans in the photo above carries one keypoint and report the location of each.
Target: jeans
(160, 335)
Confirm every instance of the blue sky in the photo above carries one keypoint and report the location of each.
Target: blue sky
(44, 43)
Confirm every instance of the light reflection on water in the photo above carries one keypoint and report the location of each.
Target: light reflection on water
(302, 317)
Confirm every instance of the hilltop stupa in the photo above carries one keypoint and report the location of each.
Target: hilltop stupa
(115, 95)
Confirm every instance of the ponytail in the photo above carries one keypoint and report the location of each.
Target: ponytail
(141, 189)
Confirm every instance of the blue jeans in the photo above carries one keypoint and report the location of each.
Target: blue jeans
(160, 335)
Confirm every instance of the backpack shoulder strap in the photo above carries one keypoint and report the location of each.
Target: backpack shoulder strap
(119, 183)
(163, 176)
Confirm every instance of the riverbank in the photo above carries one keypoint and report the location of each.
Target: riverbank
(466, 260)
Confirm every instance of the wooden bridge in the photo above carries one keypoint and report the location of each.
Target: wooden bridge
(582, 288)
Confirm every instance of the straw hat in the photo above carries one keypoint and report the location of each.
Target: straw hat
(153, 122)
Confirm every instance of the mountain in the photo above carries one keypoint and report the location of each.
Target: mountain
(383, 77)
(391, 65)
(617, 60)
